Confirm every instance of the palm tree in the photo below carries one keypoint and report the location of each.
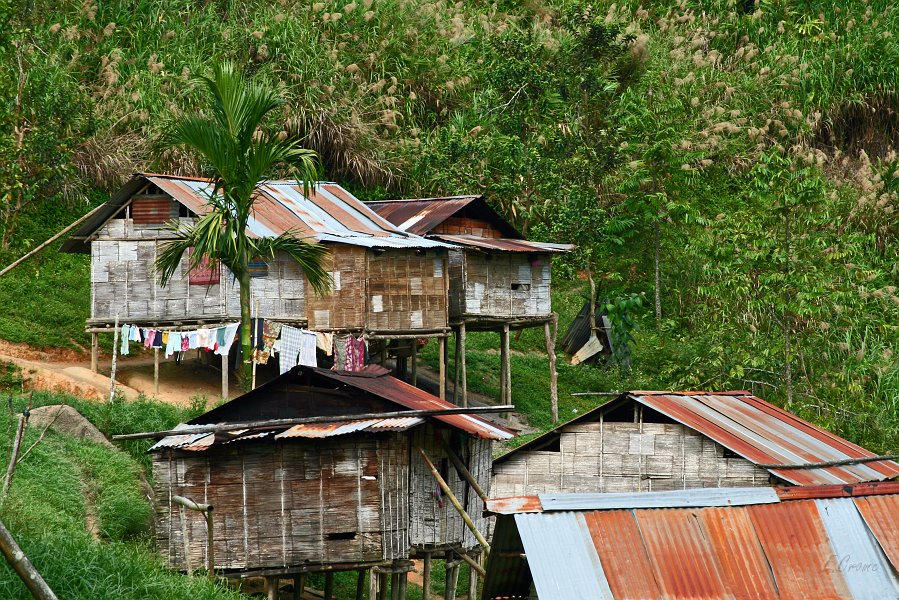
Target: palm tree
(239, 157)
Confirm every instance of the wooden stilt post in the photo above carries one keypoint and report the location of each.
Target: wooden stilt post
(456, 368)
(115, 353)
(271, 588)
(442, 351)
(507, 364)
(394, 586)
(95, 352)
(415, 362)
(224, 376)
(360, 584)
(382, 586)
(452, 574)
(372, 584)
(23, 567)
(404, 577)
(473, 582)
(461, 342)
(156, 371)
(329, 585)
(426, 578)
(550, 328)
(299, 584)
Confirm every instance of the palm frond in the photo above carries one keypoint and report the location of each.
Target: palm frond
(309, 255)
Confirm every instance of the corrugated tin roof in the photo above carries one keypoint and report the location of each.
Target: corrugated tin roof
(328, 214)
(667, 499)
(808, 548)
(374, 379)
(504, 244)
(421, 215)
(756, 430)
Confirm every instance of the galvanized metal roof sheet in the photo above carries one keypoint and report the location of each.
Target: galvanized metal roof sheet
(831, 547)
(421, 215)
(765, 434)
(561, 556)
(667, 499)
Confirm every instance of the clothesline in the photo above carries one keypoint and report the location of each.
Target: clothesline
(211, 339)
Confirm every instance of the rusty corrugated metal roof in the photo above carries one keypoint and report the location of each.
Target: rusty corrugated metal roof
(504, 244)
(808, 548)
(323, 430)
(421, 215)
(765, 434)
(328, 214)
(756, 430)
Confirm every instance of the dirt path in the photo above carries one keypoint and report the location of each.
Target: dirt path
(67, 371)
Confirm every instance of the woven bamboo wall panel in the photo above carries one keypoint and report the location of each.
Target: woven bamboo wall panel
(275, 504)
(625, 457)
(505, 284)
(406, 291)
(344, 306)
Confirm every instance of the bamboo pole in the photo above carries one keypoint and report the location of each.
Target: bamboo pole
(23, 567)
(14, 455)
(48, 242)
(507, 354)
(502, 368)
(317, 419)
(225, 393)
(476, 570)
(253, 384)
(156, 371)
(95, 352)
(115, 353)
(456, 369)
(463, 470)
(550, 330)
(455, 502)
(206, 509)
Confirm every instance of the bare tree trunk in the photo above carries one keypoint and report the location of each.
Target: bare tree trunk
(658, 249)
(246, 325)
(787, 326)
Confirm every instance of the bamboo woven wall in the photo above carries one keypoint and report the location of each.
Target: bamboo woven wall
(435, 524)
(625, 457)
(123, 282)
(284, 504)
(406, 291)
(344, 306)
(500, 284)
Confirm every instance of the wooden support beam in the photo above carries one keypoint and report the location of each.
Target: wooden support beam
(318, 419)
(452, 577)
(415, 362)
(225, 394)
(507, 354)
(206, 509)
(455, 502)
(502, 368)
(426, 578)
(95, 352)
(404, 578)
(461, 342)
(23, 567)
(441, 350)
(115, 354)
(394, 586)
(456, 369)
(299, 584)
(329, 585)
(477, 569)
(271, 587)
(463, 470)
(360, 584)
(382, 586)
(550, 329)
(372, 584)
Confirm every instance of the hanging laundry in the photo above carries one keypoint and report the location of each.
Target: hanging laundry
(360, 349)
(340, 354)
(135, 334)
(228, 334)
(157, 339)
(165, 337)
(290, 348)
(270, 332)
(185, 342)
(126, 335)
(174, 343)
(202, 337)
(351, 356)
(193, 340)
(325, 341)
(148, 339)
(308, 343)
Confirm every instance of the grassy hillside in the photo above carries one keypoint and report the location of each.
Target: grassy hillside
(740, 154)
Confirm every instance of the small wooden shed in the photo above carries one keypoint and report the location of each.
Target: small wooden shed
(656, 441)
(386, 282)
(498, 280)
(342, 488)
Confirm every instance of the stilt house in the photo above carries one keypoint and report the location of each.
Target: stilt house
(650, 441)
(385, 281)
(498, 279)
(349, 491)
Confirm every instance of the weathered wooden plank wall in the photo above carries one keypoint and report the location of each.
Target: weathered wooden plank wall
(503, 284)
(625, 457)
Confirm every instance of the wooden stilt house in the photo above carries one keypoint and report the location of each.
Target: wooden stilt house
(498, 280)
(321, 470)
(386, 282)
(657, 441)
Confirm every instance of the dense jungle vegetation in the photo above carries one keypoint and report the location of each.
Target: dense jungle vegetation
(733, 161)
